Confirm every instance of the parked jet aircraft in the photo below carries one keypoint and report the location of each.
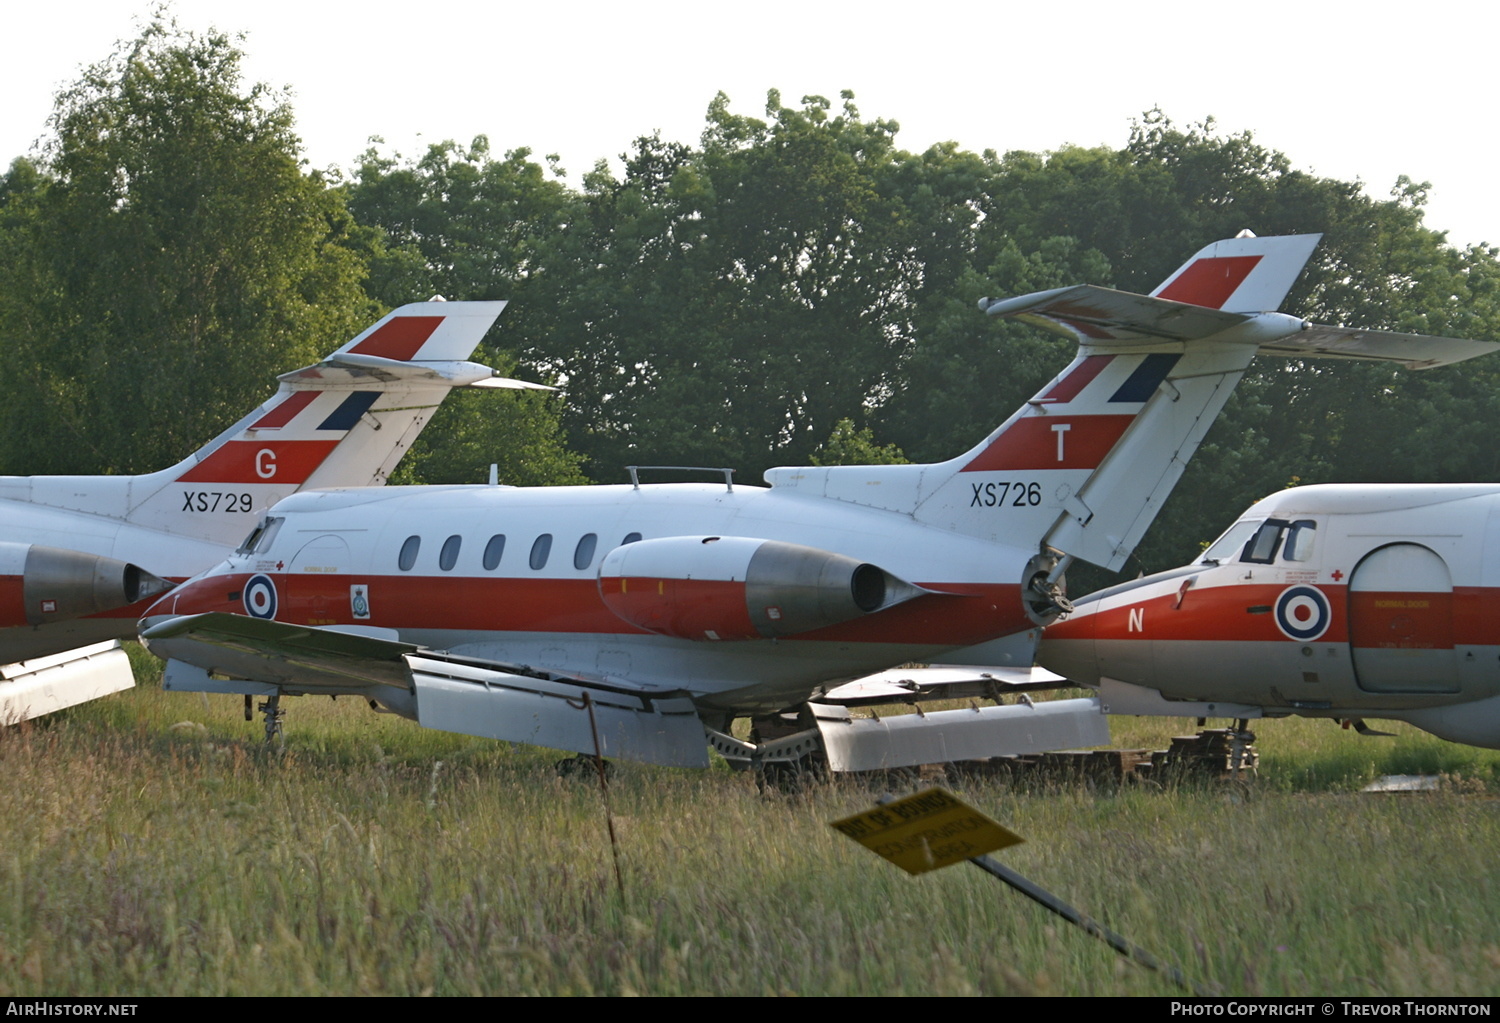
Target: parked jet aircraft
(1345, 602)
(81, 555)
(623, 619)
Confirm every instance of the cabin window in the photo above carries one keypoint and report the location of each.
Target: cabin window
(409, 550)
(630, 538)
(493, 552)
(539, 551)
(448, 556)
(1261, 550)
(584, 552)
(1299, 540)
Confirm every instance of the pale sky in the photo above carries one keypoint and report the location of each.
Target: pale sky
(1362, 91)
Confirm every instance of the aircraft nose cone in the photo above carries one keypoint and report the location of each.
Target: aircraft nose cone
(196, 596)
(165, 607)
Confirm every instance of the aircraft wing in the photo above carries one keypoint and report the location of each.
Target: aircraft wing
(276, 653)
(470, 696)
(1414, 351)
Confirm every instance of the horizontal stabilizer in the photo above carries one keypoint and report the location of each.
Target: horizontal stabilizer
(1226, 284)
(909, 740)
(360, 370)
(1097, 316)
(1414, 351)
(509, 384)
(1106, 320)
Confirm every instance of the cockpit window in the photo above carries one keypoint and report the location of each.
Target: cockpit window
(261, 536)
(1299, 540)
(1228, 545)
(1262, 548)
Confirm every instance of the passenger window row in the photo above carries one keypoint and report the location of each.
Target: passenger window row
(494, 550)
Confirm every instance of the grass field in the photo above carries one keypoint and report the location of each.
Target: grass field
(154, 847)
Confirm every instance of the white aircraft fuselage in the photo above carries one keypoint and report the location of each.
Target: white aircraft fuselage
(1338, 601)
(680, 622)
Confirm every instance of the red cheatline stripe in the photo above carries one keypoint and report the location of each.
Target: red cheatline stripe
(1037, 441)
(1083, 373)
(254, 461)
(1214, 613)
(399, 338)
(1210, 282)
(498, 604)
(1401, 621)
(283, 413)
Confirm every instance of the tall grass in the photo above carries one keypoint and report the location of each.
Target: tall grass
(154, 846)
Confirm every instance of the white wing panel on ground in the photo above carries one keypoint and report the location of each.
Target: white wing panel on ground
(473, 700)
(908, 740)
(29, 689)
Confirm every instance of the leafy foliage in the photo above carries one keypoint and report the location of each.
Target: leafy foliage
(788, 290)
(170, 256)
(851, 445)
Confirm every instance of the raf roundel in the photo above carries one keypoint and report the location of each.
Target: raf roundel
(260, 597)
(1302, 613)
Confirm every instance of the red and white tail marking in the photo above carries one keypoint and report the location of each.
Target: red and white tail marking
(343, 422)
(1240, 275)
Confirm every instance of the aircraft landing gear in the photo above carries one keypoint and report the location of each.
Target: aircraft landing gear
(274, 716)
(789, 756)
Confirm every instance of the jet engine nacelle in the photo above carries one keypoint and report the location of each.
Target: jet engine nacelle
(738, 587)
(52, 584)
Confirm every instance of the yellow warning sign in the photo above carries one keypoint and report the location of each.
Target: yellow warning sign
(926, 831)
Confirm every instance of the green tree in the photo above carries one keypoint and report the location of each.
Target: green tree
(460, 223)
(733, 302)
(170, 255)
(853, 445)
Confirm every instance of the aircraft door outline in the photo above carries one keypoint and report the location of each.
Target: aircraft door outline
(1400, 607)
(316, 570)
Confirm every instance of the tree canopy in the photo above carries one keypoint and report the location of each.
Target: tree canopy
(172, 255)
(795, 287)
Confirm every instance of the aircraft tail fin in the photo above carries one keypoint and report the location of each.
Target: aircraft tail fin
(1084, 466)
(341, 423)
